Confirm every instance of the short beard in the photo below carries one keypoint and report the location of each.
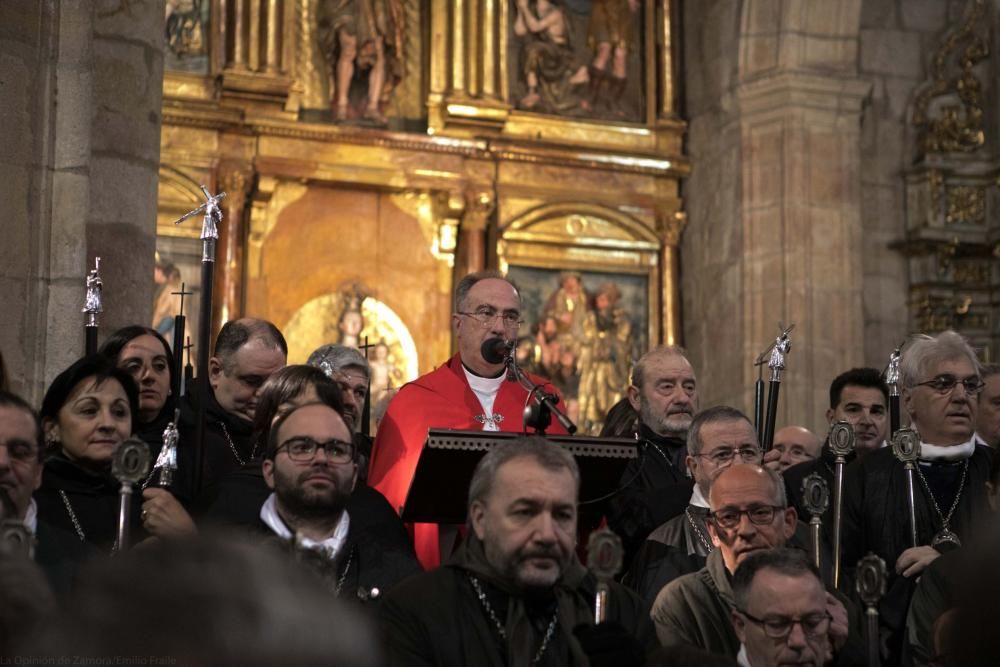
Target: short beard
(663, 426)
(297, 502)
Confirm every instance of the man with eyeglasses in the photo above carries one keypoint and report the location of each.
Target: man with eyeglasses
(469, 392)
(749, 514)
(311, 467)
(941, 383)
(57, 552)
(717, 438)
(792, 445)
(988, 418)
(780, 615)
(347, 367)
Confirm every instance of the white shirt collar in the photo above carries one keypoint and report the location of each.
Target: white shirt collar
(31, 517)
(742, 659)
(486, 390)
(330, 546)
(697, 498)
(933, 453)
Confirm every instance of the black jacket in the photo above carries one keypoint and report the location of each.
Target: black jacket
(654, 488)
(93, 498)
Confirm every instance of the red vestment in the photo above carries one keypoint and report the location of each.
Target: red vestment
(439, 399)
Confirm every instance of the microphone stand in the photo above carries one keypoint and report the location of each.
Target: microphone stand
(537, 416)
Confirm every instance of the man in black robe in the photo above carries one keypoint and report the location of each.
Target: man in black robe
(514, 593)
(718, 437)
(858, 396)
(311, 466)
(655, 486)
(941, 381)
(247, 352)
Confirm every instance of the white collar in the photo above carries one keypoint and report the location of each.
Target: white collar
(330, 546)
(697, 498)
(481, 385)
(31, 517)
(742, 659)
(933, 453)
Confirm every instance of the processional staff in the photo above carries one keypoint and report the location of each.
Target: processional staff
(776, 362)
(366, 410)
(129, 465)
(209, 235)
(815, 498)
(93, 306)
(906, 448)
(892, 381)
(604, 559)
(871, 584)
(840, 440)
(180, 326)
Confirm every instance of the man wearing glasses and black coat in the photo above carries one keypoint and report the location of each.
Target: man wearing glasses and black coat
(941, 382)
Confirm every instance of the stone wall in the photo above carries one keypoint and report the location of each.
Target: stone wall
(80, 94)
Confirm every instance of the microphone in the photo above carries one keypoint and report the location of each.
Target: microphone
(495, 350)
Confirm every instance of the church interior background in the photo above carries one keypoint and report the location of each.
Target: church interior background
(648, 171)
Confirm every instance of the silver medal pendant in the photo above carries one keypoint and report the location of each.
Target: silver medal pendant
(946, 536)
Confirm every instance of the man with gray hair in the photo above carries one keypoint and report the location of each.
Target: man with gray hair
(514, 593)
(469, 392)
(941, 379)
(718, 438)
(655, 486)
(349, 369)
(750, 513)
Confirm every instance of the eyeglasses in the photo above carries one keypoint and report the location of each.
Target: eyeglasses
(19, 450)
(303, 449)
(761, 515)
(779, 627)
(945, 384)
(487, 316)
(723, 456)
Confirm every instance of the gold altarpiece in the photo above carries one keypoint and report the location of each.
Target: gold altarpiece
(324, 212)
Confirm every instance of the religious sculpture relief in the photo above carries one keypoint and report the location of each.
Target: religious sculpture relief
(187, 35)
(362, 42)
(577, 58)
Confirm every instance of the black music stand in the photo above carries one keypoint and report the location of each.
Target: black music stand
(439, 492)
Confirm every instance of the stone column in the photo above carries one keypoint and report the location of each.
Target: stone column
(78, 170)
(801, 227)
(471, 251)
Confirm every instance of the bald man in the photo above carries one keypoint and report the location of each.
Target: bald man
(792, 445)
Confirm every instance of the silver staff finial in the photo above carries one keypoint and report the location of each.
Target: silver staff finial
(93, 303)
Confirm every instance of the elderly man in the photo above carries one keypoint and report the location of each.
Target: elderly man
(781, 615)
(350, 370)
(247, 351)
(792, 445)
(311, 468)
(718, 437)
(941, 382)
(749, 514)
(57, 552)
(858, 396)
(655, 487)
(515, 593)
(988, 417)
(469, 392)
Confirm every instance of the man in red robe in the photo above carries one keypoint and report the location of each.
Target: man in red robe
(468, 393)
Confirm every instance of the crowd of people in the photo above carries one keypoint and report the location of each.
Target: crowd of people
(279, 540)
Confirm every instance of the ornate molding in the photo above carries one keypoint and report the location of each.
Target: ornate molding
(948, 126)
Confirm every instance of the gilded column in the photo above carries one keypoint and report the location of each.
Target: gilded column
(458, 74)
(471, 251)
(489, 51)
(253, 41)
(237, 59)
(227, 298)
(271, 45)
(670, 227)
